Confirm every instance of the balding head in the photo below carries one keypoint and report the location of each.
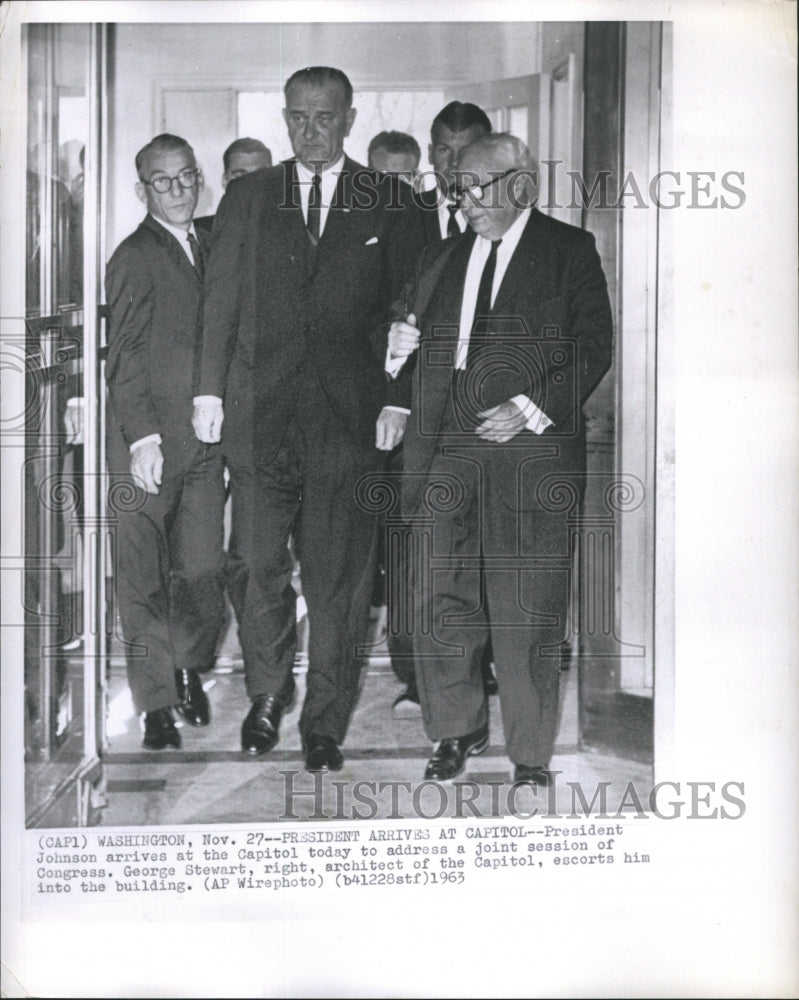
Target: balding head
(496, 177)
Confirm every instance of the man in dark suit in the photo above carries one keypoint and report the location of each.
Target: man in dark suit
(169, 557)
(512, 338)
(305, 260)
(395, 153)
(454, 127)
(242, 156)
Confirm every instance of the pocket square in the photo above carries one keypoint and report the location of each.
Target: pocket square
(370, 242)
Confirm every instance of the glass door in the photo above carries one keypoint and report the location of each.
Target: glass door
(64, 629)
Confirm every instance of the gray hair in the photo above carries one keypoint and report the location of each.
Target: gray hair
(511, 149)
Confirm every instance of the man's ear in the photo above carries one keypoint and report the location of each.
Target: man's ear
(430, 153)
(350, 119)
(224, 180)
(141, 192)
(525, 187)
(200, 180)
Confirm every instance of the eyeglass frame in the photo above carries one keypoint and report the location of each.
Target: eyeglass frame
(460, 193)
(195, 172)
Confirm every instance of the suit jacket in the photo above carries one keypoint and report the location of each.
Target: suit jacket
(551, 335)
(282, 315)
(154, 296)
(204, 222)
(428, 202)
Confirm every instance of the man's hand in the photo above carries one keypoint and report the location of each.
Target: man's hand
(501, 423)
(207, 421)
(390, 428)
(146, 466)
(403, 338)
(73, 420)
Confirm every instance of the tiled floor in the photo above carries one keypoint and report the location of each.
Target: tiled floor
(210, 781)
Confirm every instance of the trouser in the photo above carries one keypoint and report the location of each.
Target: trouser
(308, 490)
(169, 576)
(499, 569)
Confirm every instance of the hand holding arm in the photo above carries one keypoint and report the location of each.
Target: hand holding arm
(403, 338)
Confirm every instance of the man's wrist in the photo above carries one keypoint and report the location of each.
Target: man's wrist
(535, 419)
(150, 439)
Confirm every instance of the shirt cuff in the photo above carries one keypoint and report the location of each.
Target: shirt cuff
(394, 365)
(199, 400)
(398, 409)
(151, 438)
(537, 420)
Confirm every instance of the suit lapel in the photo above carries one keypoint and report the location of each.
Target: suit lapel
(527, 276)
(176, 252)
(342, 218)
(429, 203)
(440, 327)
(282, 225)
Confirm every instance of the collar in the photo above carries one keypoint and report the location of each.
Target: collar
(306, 176)
(510, 240)
(181, 235)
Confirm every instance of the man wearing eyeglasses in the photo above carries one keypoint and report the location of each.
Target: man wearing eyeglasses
(168, 489)
(513, 334)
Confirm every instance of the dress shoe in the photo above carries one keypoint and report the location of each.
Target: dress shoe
(531, 775)
(159, 730)
(490, 685)
(406, 705)
(322, 754)
(259, 731)
(192, 700)
(450, 754)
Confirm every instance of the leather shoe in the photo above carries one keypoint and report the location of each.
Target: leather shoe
(532, 775)
(259, 731)
(159, 730)
(192, 701)
(322, 754)
(450, 754)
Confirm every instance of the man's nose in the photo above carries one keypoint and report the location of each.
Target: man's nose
(174, 182)
(310, 129)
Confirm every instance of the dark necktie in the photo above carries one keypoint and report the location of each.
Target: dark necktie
(453, 229)
(482, 307)
(197, 255)
(315, 209)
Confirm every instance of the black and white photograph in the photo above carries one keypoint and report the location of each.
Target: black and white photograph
(399, 499)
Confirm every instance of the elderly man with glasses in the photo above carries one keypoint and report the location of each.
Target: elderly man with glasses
(511, 327)
(168, 489)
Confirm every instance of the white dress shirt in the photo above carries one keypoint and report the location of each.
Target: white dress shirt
(182, 236)
(329, 180)
(443, 218)
(537, 420)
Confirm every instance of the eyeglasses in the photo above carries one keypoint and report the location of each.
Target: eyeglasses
(477, 191)
(186, 179)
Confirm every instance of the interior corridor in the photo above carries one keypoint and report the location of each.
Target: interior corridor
(210, 781)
